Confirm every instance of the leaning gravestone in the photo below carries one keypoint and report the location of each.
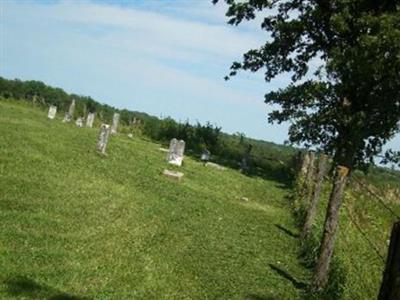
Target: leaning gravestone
(90, 120)
(103, 138)
(52, 112)
(115, 122)
(79, 122)
(175, 153)
(70, 114)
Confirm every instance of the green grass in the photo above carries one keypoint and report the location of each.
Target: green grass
(74, 224)
(362, 242)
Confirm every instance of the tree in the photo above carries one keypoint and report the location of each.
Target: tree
(348, 105)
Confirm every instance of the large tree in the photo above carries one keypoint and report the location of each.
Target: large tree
(344, 99)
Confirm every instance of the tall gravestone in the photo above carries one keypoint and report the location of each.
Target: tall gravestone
(103, 138)
(52, 112)
(90, 120)
(70, 114)
(176, 151)
(115, 122)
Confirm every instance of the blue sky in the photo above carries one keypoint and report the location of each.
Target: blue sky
(166, 58)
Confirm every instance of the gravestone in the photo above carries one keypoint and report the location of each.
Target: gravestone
(90, 120)
(205, 156)
(115, 122)
(52, 112)
(103, 138)
(173, 174)
(70, 114)
(175, 153)
(79, 122)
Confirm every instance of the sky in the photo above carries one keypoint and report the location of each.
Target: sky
(165, 58)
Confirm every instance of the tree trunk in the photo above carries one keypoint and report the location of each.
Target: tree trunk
(390, 288)
(304, 166)
(322, 166)
(330, 229)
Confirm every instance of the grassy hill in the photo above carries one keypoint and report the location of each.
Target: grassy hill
(76, 225)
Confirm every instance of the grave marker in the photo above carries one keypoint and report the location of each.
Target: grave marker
(103, 138)
(173, 174)
(206, 155)
(52, 112)
(79, 122)
(115, 122)
(70, 114)
(90, 120)
(176, 150)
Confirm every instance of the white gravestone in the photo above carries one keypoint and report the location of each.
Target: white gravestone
(205, 156)
(70, 114)
(176, 150)
(115, 122)
(52, 112)
(90, 120)
(103, 138)
(79, 122)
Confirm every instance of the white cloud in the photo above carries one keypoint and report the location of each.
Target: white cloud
(143, 60)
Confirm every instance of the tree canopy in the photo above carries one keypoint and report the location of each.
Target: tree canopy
(344, 60)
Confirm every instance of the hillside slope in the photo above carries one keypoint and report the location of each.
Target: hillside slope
(75, 225)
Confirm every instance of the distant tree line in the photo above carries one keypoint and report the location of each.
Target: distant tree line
(266, 157)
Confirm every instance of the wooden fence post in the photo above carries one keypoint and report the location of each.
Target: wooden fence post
(309, 178)
(331, 225)
(312, 208)
(390, 287)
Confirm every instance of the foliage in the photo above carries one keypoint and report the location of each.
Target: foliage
(344, 61)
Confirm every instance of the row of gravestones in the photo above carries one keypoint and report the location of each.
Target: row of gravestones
(176, 148)
(79, 122)
(105, 129)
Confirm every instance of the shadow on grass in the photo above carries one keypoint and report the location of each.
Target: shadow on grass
(287, 231)
(21, 286)
(296, 283)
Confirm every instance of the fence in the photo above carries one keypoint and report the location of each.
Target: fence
(390, 287)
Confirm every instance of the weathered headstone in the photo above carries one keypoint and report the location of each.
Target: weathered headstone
(70, 114)
(115, 122)
(205, 156)
(173, 174)
(103, 138)
(52, 112)
(79, 122)
(90, 120)
(176, 150)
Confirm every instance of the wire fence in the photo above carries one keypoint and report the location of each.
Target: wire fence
(378, 197)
